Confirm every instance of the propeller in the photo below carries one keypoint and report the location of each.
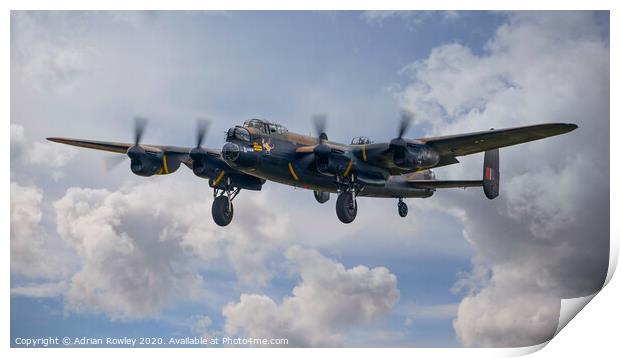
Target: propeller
(398, 145)
(198, 153)
(321, 151)
(323, 155)
(112, 161)
(406, 117)
(202, 127)
(326, 158)
(139, 127)
(320, 123)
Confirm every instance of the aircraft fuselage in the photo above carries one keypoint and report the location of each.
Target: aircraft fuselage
(274, 157)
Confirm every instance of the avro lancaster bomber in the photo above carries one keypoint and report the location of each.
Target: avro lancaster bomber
(259, 150)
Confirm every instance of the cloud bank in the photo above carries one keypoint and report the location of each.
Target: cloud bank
(136, 247)
(537, 243)
(328, 300)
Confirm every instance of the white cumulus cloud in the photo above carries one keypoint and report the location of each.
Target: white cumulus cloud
(33, 155)
(134, 246)
(329, 299)
(30, 243)
(546, 236)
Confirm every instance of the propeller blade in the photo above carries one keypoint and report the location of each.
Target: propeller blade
(406, 117)
(112, 161)
(202, 128)
(139, 126)
(320, 123)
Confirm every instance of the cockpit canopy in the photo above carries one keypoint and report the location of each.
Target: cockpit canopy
(360, 140)
(239, 133)
(265, 126)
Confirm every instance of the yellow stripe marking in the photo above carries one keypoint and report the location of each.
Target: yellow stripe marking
(364, 152)
(160, 171)
(346, 172)
(219, 178)
(290, 168)
(166, 165)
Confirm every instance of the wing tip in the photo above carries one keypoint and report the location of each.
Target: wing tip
(568, 127)
(561, 128)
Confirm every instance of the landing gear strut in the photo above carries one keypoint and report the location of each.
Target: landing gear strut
(222, 208)
(403, 210)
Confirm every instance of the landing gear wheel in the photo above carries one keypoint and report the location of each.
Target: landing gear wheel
(403, 210)
(222, 213)
(346, 207)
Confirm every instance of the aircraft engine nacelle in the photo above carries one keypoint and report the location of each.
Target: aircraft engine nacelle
(413, 156)
(328, 162)
(147, 163)
(204, 164)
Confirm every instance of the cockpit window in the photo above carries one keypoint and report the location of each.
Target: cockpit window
(265, 127)
(360, 140)
(255, 123)
(282, 129)
(242, 134)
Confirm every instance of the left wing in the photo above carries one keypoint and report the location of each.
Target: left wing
(116, 147)
(172, 153)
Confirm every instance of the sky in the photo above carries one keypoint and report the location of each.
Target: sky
(103, 253)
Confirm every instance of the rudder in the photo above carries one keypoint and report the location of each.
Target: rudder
(490, 173)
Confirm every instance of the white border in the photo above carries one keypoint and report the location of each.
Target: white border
(593, 330)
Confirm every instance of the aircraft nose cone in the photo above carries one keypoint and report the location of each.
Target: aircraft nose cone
(230, 152)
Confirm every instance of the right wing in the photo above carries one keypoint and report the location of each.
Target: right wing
(452, 146)
(470, 143)
(116, 147)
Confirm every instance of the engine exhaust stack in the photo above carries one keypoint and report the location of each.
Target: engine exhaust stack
(490, 174)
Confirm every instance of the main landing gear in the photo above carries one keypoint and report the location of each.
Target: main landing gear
(222, 208)
(403, 210)
(346, 204)
(346, 207)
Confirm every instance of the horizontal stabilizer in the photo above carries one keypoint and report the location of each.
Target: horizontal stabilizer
(438, 184)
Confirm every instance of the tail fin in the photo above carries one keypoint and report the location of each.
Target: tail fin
(490, 174)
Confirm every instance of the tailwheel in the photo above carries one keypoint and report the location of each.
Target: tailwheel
(346, 207)
(222, 210)
(403, 210)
